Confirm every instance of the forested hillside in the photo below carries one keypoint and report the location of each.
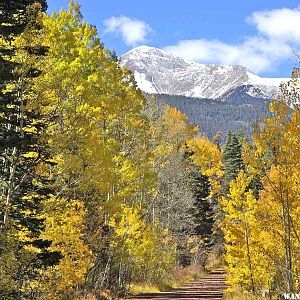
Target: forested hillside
(104, 189)
(216, 116)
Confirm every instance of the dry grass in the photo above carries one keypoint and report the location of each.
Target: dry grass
(214, 261)
(136, 289)
(179, 277)
(89, 297)
(105, 295)
(187, 274)
(242, 296)
(237, 296)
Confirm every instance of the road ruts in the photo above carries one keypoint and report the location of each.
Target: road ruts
(210, 287)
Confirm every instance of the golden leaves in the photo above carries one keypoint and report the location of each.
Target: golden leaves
(208, 157)
(64, 227)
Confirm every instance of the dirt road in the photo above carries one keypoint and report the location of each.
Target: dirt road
(210, 287)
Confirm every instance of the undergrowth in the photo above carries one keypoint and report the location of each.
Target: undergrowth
(178, 278)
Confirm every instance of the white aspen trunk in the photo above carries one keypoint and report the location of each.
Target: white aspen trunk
(10, 187)
(249, 258)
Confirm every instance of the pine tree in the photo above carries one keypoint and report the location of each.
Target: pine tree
(203, 213)
(19, 123)
(207, 157)
(232, 159)
(13, 18)
(21, 151)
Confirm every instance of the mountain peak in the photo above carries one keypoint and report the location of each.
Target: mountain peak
(142, 48)
(143, 52)
(145, 48)
(158, 71)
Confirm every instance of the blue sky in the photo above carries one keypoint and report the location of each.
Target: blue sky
(259, 34)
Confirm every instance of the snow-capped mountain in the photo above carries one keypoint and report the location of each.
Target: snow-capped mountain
(159, 72)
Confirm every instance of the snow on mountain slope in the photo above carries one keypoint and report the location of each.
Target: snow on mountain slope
(157, 71)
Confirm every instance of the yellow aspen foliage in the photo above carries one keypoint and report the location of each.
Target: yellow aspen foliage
(150, 252)
(169, 134)
(207, 156)
(177, 126)
(274, 157)
(64, 228)
(173, 130)
(279, 223)
(247, 266)
(111, 182)
(98, 137)
(98, 128)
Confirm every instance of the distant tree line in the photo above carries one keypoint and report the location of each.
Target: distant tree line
(213, 116)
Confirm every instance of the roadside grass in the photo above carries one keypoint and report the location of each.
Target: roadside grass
(241, 296)
(178, 278)
(105, 295)
(214, 261)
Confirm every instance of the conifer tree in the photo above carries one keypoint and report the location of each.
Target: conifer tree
(232, 159)
(13, 18)
(207, 157)
(203, 212)
(21, 126)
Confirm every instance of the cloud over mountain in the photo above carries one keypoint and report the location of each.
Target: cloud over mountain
(133, 31)
(277, 35)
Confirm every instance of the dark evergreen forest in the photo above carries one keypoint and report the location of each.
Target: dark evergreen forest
(213, 116)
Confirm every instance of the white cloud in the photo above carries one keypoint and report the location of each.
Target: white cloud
(257, 54)
(278, 31)
(282, 24)
(133, 31)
